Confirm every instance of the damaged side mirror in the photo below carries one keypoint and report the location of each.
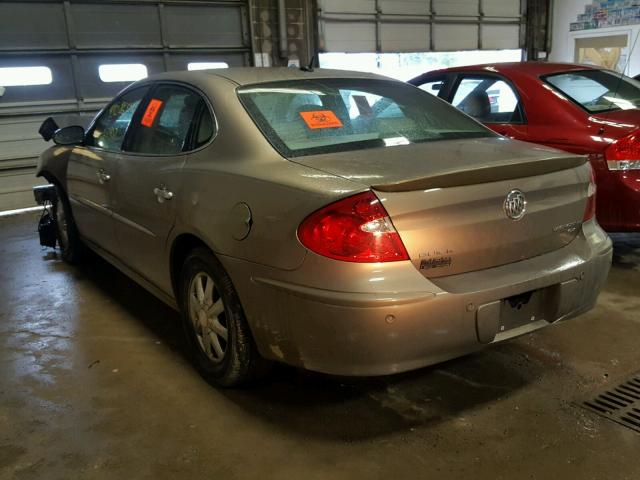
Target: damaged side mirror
(71, 135)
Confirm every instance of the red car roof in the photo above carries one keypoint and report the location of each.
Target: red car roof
(529, 68)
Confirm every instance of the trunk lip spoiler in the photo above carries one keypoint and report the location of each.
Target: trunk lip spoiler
(492, 173)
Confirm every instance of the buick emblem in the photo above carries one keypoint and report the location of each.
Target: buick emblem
(515, 205)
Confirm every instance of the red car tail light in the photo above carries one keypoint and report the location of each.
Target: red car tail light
(624, 153)
(354, 229)
(590, 209)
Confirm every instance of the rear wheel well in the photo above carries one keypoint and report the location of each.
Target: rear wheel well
(182, 245)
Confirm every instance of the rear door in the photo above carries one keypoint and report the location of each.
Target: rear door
(492, 100)
(92, 167)
(174, 120)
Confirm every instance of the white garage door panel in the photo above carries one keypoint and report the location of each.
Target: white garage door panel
(406, 25)
(48, 22)
(397, 37)
(15, 188)
(348, 6)
(500, 36)
(500, 8)
(118, 25)
(20, 149)
(456, 7)
(405, 7)
(350, 37)
(455, 37)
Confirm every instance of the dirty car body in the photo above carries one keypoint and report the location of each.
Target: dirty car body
(367, 227)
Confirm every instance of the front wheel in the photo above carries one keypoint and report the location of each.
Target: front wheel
(67, 233)
(218, 336)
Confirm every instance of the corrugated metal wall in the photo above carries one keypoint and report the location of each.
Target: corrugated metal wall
(72, 38)
(420, 25)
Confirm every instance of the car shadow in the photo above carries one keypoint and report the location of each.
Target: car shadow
(323, 406)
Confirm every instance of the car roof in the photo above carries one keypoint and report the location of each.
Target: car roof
(522, 68)
(253, 75)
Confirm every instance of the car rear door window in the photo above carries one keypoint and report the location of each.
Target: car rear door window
(488, 99)
(165, 121)
(110, 128)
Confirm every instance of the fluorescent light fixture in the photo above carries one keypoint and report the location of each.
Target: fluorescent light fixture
(206, 65)
(23, 76)
(122, 72)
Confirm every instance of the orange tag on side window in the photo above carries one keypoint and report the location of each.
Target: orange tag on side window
(150, 113)
(321, 119)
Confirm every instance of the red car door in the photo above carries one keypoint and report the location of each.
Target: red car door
(492, 100)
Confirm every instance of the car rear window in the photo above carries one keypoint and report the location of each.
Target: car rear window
(597, 90)
(306, 117)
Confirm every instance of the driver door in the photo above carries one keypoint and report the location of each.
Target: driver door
(92, 166)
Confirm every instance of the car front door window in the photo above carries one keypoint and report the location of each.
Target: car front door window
(109, 130)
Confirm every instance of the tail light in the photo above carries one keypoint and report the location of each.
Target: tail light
(354, 229)
(590, 209)
(624, 153)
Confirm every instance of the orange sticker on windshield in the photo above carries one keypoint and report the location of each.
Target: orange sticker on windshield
(321, 119)
(150, 113)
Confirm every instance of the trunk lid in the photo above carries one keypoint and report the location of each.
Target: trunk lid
(617, 123)
(447, 199)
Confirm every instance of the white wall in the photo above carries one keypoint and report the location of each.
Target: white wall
(563, 41)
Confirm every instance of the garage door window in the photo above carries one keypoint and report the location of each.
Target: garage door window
(166, 121)
(206, 65)
(488, 100)
(24, 76)
(124, 72)
(110, 128)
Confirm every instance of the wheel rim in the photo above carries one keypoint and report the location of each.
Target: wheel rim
(208, 318)
(61, 220)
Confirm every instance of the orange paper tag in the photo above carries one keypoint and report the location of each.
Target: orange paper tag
(150, 113)
(321, 119)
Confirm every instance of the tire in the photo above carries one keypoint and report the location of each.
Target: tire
(71, 247)
(217, 334)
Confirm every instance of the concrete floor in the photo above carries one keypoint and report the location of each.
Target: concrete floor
(94, 384)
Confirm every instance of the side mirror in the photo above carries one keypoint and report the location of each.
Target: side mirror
(437, 86)
(71, 135)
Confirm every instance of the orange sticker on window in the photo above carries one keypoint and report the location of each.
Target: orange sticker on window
(150, 113)
(321, 119)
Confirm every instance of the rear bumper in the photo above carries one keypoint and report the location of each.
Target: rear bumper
(388, 318)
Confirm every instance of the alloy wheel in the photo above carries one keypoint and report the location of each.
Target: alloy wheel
(208, 318)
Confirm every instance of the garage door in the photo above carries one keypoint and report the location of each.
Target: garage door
(51, 54)
(420, 25)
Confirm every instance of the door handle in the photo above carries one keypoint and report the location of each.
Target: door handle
(162, 193)
(103, 176)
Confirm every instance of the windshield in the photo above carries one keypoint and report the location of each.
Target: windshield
(305, 117)
(598, 90)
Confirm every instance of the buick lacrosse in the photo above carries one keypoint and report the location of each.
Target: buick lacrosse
(336, 221)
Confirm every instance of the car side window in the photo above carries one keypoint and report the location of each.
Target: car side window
(206, 127)
(488, 99)
(110, 128)
(433, 87)
(165, 122)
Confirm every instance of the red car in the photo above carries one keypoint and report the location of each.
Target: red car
(580, 109)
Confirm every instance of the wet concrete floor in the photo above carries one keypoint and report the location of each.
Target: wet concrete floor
(94, 384)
